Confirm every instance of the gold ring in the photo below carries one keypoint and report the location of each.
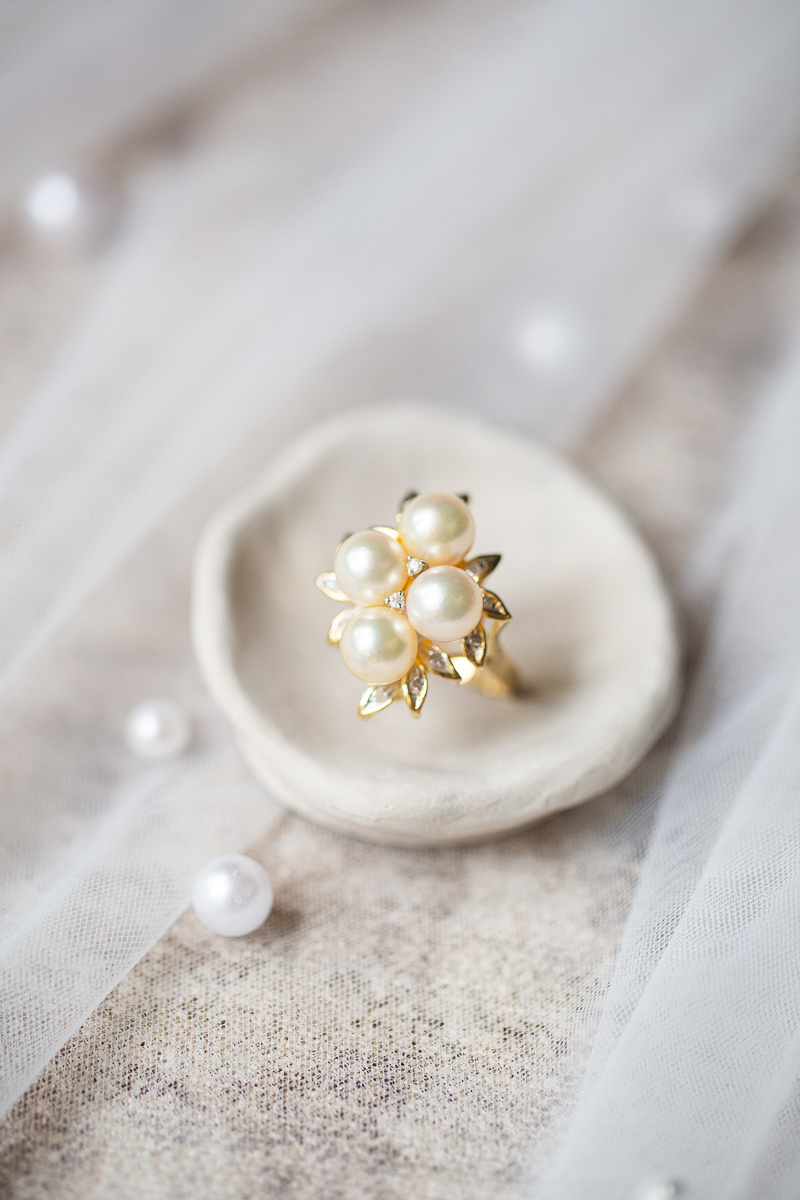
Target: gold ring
(417, 605)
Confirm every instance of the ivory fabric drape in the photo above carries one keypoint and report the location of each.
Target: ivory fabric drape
(500, 208)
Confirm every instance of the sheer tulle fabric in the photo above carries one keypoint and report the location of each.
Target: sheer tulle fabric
(523, 211)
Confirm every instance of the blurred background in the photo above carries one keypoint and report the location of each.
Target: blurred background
(218, 224)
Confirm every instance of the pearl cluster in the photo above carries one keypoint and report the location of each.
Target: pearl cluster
(414, 599)
(379, 643)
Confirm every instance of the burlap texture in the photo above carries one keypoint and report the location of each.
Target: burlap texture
(407, 1023)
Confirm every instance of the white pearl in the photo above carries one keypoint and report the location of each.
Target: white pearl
(68, 212)
(369, 566)
(232, 895)
(438, 528)
(549, 342)
(158, 729)
(378, 645)
(444, 604)
(659, 1189)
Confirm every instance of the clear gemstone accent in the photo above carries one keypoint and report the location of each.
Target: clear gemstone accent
(416, 681)
(416, 688)
(396, 600)
(437, 660)
(475, 646)
(415, 566)
(376, 698)
(493, 607)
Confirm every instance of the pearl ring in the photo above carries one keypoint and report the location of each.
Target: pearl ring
(416, 605)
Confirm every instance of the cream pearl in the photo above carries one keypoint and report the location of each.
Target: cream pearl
(158, 729)
(444, 604)
(438, 528)
(378, 645)
(369, 566)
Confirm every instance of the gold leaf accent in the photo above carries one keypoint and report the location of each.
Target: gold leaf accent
(481, 566)
(415, 688)
(326, 582)
(408, 496)
(378, 697)
(474, 645)
(338, 623)
(493, 606)
(387, 529)
(436, 660)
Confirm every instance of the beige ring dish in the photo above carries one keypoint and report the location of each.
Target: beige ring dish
(592, 634)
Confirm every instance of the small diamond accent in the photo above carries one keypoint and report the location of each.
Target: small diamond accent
(374, 699)
(416, 688)
(416, 681)
(493, 606)
(396, 600)
(415, 566)
(475, 646)
(435, 659)
(438, 660)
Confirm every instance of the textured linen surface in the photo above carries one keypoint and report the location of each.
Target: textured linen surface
(407, 1023)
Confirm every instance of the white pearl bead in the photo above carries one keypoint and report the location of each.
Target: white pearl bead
(369, 566)
(232, 895)
(438, 528)
(444, 604)
(378, 645)
(659, 1189)
(68, 212)
(158, 729)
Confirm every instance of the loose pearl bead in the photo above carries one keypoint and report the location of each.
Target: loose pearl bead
(232, 895)
(369, 566)
(659, 1189)
(158, 729)
(438, 528)
(444, 604)
(378, 645)
(68, 212)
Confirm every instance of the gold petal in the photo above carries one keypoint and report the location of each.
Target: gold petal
(387, 529)
(326, 582)
(436, 660)
(376, 698)
(493, 606)
(338, 623)
(481, 566)
(415, 688)
(408, 496)
(474, 645)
